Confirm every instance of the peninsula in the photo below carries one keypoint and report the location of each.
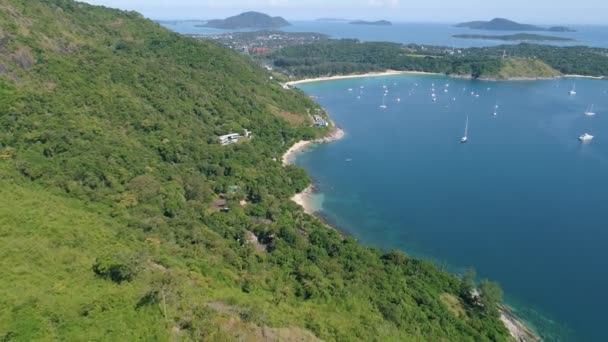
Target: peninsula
(247, 20)
(519, 37)
(523, 61)
(501, 24)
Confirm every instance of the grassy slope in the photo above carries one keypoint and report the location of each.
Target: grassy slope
(525, 68)
(108, 151)
(48, 244)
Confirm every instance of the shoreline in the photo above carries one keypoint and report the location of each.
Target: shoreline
(583, 76)
(396, 72)
(335, 134)
(518, 329)
(369, 74)
(303, 199)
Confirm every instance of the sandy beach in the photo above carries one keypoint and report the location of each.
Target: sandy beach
(303, 199)
(583, 76)
(395, 72)
(289, 156)
(370, 74)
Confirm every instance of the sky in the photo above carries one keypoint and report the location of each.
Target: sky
(448, 11)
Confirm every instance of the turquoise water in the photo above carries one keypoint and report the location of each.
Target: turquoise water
(420, 33)
(523, 202)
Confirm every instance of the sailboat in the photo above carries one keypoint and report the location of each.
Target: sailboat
(360, 92)
(589, 111)
(465, 138)
(573, 91)
(383, 106)
(585, 137)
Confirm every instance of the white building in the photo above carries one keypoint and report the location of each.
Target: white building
(229, 139)
(318, 121)
(234, 137)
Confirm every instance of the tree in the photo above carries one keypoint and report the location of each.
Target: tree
(118, 267)
(467, 286)
(490, 295)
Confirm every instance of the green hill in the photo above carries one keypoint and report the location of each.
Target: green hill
(515, 68)
(110, 176)
(248, 20)
(501, 24)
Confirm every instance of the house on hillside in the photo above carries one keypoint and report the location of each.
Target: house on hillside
(229, 139)
(318, 121)
(234, 137)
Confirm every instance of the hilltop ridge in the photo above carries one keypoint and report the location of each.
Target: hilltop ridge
(125, 218)
(248, 20)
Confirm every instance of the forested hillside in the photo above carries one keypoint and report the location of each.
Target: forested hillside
(335, 57)
(123, 218)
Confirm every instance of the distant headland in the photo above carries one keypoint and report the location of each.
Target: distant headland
(332, 19)
(247, 20)
(371, 23)
(519, 37)
(501, 24)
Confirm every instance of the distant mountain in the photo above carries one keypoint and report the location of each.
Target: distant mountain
(372, 23)
(248, 20)
(519, 37)
(501, 24)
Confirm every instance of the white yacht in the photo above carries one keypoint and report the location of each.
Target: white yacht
(589, 111)
(465, 138)
(585, 137)
(573, 91)
(383, 105)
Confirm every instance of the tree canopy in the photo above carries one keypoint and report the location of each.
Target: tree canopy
(123, 217)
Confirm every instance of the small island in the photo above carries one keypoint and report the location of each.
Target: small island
(560, 29)
(519, 37)
(501, 24)
(371, 23)
(332, 19)
(247, 20)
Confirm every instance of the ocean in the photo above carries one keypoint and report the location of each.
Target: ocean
(419, 33)
(524, 202)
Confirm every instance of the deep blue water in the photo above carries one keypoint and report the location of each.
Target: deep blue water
(523, 202)
(420, 33)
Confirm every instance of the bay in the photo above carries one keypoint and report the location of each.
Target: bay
(418, 33)
(523, 202)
